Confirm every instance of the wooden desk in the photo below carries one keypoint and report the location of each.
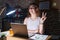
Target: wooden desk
(18, 38)
(15, 38)
(48, 38)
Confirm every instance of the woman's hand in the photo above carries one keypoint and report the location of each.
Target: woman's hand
(43, 18)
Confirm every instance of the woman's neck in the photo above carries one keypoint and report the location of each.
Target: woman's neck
(33, 17)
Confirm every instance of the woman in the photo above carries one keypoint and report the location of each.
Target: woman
(33, 21)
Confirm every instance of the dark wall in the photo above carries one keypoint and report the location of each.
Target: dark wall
(22, 3)
(52, 24)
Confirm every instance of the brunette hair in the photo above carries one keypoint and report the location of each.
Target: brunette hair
(36, 6)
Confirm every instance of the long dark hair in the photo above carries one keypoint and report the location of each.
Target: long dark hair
(35, 5)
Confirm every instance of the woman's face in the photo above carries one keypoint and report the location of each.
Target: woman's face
(33, 9)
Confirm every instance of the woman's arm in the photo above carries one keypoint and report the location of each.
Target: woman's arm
(43, 18)
(40, 30)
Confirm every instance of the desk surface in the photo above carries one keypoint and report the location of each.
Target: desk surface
(10, 37)
(18, 38)
(15, 38)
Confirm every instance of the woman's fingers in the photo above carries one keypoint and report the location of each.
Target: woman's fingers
(44, 14)
(44, 18)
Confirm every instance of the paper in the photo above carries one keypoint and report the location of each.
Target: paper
(6, 33)
(39, 37)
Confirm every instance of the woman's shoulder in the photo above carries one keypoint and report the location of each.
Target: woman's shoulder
(26, 18)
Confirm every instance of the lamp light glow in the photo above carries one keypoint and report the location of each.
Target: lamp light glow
(11, 12)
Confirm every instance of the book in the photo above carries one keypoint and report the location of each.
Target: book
(39, 37)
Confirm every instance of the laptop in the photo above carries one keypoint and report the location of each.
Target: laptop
(20, 30)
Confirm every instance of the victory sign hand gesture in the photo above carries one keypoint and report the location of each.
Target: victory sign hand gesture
(43, 18)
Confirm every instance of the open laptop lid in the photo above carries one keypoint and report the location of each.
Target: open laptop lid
(19, 29)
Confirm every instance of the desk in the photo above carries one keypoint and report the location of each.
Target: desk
(15, 38)
(10, 37)
(48, 38)
(18, 38)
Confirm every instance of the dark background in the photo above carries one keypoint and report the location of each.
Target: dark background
(51, 25)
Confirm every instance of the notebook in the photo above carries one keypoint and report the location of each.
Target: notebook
(39, 37)
(20, 30)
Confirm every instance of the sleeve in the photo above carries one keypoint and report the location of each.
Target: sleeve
(25, 21)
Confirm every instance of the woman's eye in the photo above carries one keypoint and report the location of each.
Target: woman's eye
(32, 8)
